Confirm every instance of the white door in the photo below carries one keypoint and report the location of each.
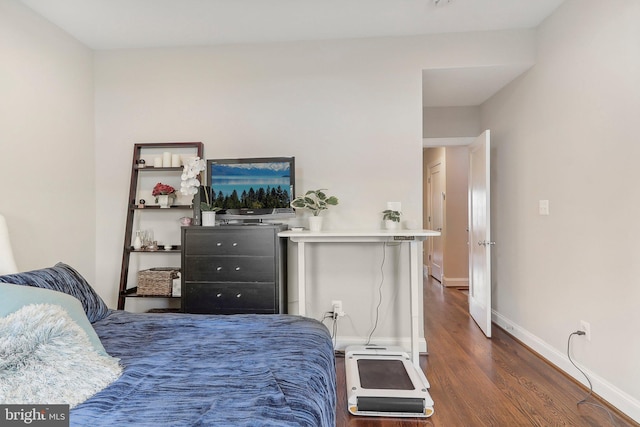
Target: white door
(435, 180)
(480, 233)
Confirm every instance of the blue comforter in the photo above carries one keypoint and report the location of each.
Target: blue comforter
(195, 370)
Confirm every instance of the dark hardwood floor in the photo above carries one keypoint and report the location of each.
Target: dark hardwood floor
(477, 381)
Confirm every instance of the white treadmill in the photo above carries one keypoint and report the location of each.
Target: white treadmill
(384, 382)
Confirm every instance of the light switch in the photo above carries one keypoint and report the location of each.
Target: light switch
(543, 207)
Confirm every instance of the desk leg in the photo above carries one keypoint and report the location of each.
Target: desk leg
(302, 274)
(415, 300)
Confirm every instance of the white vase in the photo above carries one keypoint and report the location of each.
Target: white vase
(391, 225)
(315, 223)
(164, 200)
(137, 242)
(208, 218)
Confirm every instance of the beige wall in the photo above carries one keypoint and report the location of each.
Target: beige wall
(46, 142)
(348, 110)
(567, 132)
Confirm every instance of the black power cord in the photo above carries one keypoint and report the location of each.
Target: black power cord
(584, 400)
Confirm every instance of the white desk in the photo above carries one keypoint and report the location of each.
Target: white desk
(410, 237)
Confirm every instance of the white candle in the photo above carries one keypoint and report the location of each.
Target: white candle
(157, 162)
(166, 159)
(175, 161)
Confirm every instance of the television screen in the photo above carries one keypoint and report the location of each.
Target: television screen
(252, 186)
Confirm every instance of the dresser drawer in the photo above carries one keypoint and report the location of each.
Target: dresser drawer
(252, 241)
(229, 269)
(229, 298)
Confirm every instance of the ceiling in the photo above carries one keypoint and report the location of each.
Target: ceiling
(118, 24)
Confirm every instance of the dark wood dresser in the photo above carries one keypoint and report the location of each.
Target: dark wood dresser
(232, 269)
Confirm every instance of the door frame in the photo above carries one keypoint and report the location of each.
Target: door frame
(445, 142)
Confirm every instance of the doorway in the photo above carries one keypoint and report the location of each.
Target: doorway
(445, 187)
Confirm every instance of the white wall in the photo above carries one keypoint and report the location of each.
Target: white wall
(46, 142)
(448, 122)
(350, 111)
(566, 131)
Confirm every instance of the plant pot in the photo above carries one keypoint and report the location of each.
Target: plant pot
(391, 225)
(164, 200)
(208, 218)
(315, 223)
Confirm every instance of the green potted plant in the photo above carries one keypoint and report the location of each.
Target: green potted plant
(316, 201)
(391, 219)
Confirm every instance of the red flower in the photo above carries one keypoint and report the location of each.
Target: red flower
(162, 189)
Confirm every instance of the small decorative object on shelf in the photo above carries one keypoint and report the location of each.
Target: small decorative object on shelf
(137, 243)
(166, 159)
(186, 221)
(164, 194)
(141, 203)
(316, 201)
(142, 164)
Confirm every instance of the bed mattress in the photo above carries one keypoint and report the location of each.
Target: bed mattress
(213, 370)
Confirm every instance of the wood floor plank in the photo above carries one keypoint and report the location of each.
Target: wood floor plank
(478, 382)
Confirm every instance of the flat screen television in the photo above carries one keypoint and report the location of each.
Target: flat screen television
(252, 188)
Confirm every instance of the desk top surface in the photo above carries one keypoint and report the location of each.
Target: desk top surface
(339, 234)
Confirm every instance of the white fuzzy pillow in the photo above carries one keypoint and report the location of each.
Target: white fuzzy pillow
(46, 358)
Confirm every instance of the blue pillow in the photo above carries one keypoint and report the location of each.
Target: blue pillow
(14, 297)
(63, 278)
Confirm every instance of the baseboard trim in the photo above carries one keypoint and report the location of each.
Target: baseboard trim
(455, 282)
(622, 401)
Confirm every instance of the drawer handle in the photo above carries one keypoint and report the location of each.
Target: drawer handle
(237, 268)
(219, 269)
(235, 244)
(238, 296)
(219, 295)
(219, 244)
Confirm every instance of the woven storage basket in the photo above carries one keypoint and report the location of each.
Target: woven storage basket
(157, 281)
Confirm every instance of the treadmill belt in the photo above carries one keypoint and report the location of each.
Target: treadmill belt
(383, 374)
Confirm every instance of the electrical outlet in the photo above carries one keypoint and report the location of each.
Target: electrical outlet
(337, 308)
(586, 327)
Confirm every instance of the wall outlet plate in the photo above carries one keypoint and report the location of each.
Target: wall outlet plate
(586, 327)
(337, 307)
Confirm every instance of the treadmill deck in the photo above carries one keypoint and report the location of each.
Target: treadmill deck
(382, 381)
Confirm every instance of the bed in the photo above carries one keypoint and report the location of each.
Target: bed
(193, 370)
